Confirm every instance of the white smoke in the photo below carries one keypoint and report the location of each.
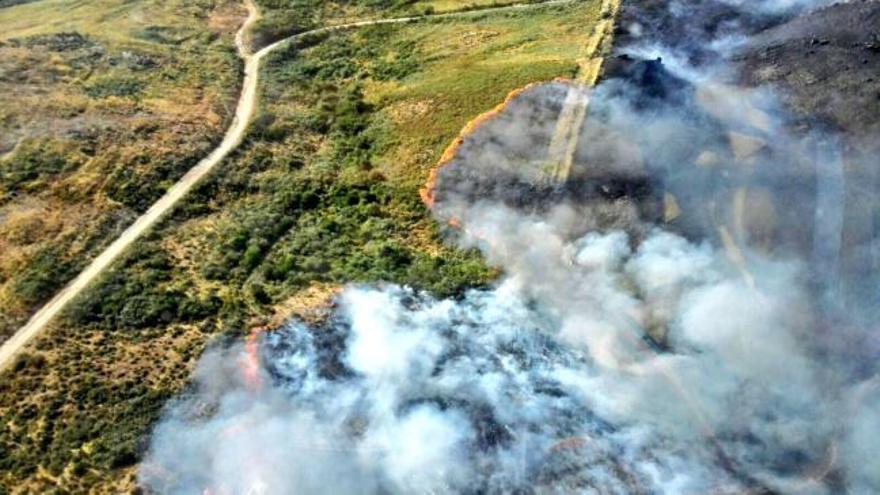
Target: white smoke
(546, 383)
(611, 357)
(780, 6)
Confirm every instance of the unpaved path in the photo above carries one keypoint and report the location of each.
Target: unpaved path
(233, 136)
(244, 112)
(574, 109)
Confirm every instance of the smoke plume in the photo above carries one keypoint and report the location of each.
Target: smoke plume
(676, 314)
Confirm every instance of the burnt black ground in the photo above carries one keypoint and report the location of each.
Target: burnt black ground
(827, 64)
(807, 188)
(824, 62)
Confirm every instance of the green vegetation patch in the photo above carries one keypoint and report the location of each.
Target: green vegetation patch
(283, 18)
(56, 42)
(148, 294)
(36, 162)
(104, 104)
(324, 191)
(169, 35)
(115, 86)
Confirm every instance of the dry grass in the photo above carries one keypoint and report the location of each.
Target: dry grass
(114, 21)
(440, 6)
(472, 66)
(103, 386)
(309, 305)
(126, 95)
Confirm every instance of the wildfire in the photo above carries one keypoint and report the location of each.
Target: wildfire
(570, 443)
(250, 361)
(427, 193)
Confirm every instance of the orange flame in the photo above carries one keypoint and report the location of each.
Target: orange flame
(570, 443)
(250, 362)
(428, 191)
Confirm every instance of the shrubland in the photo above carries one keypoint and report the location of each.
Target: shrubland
(323, 192)
(103, 105)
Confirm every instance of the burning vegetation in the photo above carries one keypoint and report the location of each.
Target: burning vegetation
(429, 191)
(675, 313)
(312, 198)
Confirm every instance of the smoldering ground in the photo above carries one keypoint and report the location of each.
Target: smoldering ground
(676, 315)
(545, 384)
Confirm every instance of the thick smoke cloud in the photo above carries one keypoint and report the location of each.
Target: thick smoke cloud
(778, 6)
(624, 350)
(545, 383)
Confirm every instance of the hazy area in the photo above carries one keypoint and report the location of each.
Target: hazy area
(432, 256)
(676, 312)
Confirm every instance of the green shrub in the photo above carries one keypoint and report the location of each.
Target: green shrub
(122, 86)
(35, 161)
(140, 295)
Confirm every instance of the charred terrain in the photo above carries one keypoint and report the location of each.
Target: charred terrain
(323, 191)
(443, 261)
(818, 62)
(685, 304)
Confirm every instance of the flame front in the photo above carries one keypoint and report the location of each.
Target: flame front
(428, 192)
(250, 361)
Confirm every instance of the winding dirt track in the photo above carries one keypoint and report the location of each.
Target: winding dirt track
(244, 112)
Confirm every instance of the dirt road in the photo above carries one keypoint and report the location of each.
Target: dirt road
(574, 109)
(233, 137)
(244, 112)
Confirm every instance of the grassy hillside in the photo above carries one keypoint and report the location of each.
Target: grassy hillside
(103, 105)
(323, 192)
(285, 17)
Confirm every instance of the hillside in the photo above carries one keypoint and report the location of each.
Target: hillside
(323, 191)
